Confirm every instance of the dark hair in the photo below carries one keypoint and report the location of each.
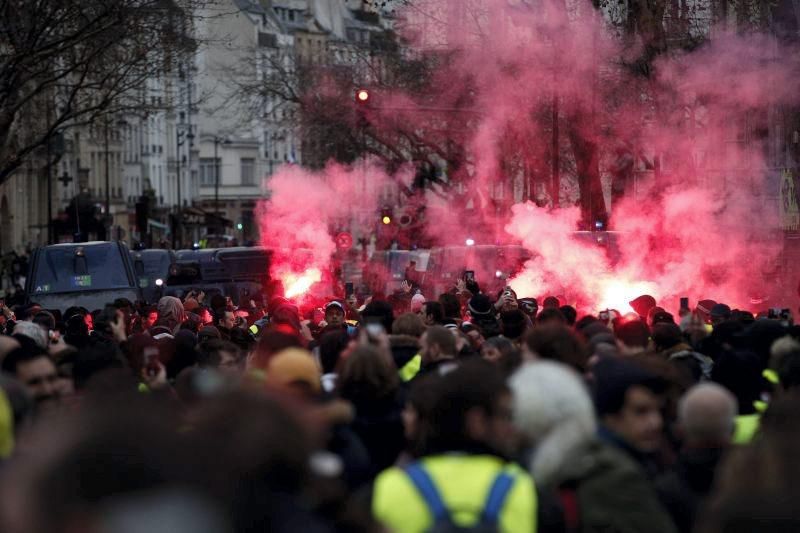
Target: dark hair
(789, 369)
(219, 314)
(409, 324)
(97, 357)
(570, 314)
(434, 309)
(451, 306)
(443, 338)
(331, 346)
(123, 303)
(615, 376)
(367, 376)
(208, 353)
(23, 354)
(551, 314)
(380, 311)
(585, 321)
(513, 323)
(271, 342)
(559, 343)
(475, 384)
(218, 301)
(633, 333)
(45, 319)
(666, 336)
(104, 319)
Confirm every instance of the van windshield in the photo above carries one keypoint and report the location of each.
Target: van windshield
(59, 270)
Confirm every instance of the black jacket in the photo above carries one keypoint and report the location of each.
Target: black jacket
(683, 489)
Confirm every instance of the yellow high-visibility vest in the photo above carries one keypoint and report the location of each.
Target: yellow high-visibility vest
(463, 482)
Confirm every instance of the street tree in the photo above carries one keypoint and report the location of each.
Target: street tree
(69, 63)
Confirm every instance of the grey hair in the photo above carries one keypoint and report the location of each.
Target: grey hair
(33, 331)
(553, 409)
(707, 414)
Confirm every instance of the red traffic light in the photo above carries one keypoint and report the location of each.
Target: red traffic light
(362, 96)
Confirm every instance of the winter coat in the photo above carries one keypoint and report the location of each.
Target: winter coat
(379, 425)
(612, 495)
(683, 488)
(404, 348)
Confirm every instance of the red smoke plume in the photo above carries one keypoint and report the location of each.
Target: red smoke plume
(699, 216)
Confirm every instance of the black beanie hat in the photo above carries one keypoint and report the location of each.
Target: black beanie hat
(480, 306)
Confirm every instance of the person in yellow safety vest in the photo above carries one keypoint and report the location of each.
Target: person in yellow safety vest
(463, 478)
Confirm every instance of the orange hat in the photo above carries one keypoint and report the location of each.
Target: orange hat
(292, 366)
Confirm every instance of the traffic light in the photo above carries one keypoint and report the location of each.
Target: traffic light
(386, 215)
(362, 96)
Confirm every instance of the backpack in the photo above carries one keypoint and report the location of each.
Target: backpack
(442, 522)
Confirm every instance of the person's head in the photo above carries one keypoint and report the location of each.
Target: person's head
(32, 331)
(437, 343)
(530, 307)
(720, 313)
(471, 411)
(495, 348)
(352, 301)
(149, 317)
(554, 411)
(295, 370)
(410, 324)
(556, 342)
(628, 399)
(570, 314)
(551, 302)
(632, 336)
(380, 311)
(450, 305)
(707, 415)
(642, 305)
(334, 314)
(272, 340)
(550, 315)
(513, 323)
(480, 308)
(368, 376)
(224, 318)
(220, 355)
(46, 320)
(740, 373)
(474, 334)
(37, 372)
(331, 346)
(205, 316)
(508, 299)
(666, 336)
(417, 303)
(170, 311)
(432, 313)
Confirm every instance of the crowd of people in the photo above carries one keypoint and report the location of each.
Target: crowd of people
(473, 411)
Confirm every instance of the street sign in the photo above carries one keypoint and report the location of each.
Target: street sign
(344, 241)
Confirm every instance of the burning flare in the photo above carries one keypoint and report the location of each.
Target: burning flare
(299, 284)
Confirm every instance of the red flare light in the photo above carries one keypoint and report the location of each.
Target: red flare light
(299, 284)
(362, 95)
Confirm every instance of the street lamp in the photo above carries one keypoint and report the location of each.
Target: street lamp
(120, 123)
(181, 136)
(217, 142)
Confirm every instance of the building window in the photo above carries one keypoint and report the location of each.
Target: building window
(248, 170)
(207, 171)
